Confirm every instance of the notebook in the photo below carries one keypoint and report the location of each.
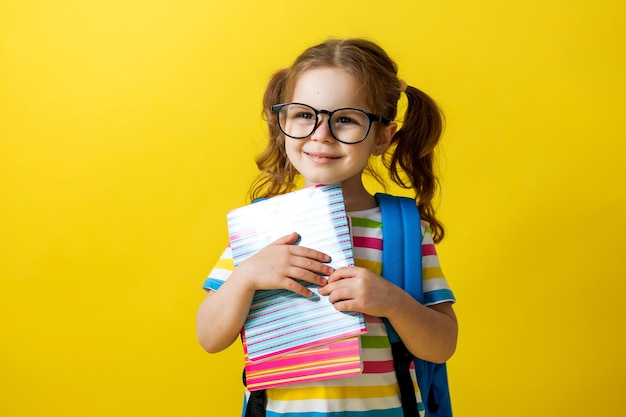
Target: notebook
(332, 360)
(288, 337)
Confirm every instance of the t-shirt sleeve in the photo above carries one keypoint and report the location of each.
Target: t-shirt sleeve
(435, 286)
(220, 272)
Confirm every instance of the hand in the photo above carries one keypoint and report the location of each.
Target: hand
(280, 264)
(359, 289)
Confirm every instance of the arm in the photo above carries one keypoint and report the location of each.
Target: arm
(430, 333)
(222, 313)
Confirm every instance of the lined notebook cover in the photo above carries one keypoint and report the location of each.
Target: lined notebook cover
(281, 322)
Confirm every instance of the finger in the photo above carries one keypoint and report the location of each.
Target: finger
(341, 273)
(346, 305)
(289, 239)
(312, 265)
(310, 253)
(339, 295)
(293, 286)
(329, 287)
(306, 275)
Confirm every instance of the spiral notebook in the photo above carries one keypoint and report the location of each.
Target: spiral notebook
(289, 338)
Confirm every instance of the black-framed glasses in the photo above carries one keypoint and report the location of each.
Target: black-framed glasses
(347, 125)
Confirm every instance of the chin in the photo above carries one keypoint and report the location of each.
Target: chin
(322, 181)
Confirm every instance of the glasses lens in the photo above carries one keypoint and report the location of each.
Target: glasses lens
(350, 125)
(297, 120)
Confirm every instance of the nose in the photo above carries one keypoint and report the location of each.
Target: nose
(322, 131)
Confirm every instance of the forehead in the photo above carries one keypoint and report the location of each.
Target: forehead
(328, 88)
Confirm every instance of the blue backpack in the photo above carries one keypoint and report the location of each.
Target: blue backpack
(402, 258)
(402, 265)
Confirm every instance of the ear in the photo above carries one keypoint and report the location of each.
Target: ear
(383, 139)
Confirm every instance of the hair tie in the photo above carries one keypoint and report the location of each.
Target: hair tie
(403, 86)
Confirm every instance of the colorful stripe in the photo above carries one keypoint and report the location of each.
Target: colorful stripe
(367, 242)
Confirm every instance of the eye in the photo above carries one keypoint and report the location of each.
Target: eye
(347, 118)
(304, 114)
(296, 112)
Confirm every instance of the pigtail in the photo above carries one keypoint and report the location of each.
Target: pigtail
(277, 175)
(411, 162)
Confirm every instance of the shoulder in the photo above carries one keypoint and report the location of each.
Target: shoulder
(372, 214)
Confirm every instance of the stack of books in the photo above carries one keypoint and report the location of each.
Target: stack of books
(289, 338)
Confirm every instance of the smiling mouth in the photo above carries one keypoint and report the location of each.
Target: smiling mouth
(320, 157)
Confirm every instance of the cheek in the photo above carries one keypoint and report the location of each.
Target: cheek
(292, 150)
(363, 150)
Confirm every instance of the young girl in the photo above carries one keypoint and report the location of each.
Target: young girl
(328, 115)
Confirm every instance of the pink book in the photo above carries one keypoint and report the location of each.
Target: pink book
(333, 360)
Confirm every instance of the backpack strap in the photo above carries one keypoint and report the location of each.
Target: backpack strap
(402, 240)
(401, 226)
(402, 265)
(255, 406)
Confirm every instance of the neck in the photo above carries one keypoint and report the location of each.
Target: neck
(356, 197)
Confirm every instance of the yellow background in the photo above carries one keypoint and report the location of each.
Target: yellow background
(128, 129)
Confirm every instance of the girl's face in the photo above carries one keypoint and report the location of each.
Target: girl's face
(320, 158)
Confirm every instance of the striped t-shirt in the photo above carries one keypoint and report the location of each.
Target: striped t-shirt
(375, 392)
